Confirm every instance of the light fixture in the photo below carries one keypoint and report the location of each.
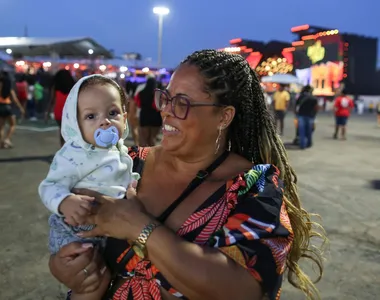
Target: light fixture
(159, 10)
(9, 51)
(90, 51)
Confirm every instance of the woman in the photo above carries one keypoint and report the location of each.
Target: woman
(229, 234)
(62, 84)
(150, 119)
(7, 93)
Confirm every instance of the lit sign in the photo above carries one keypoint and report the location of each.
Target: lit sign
(316, 52)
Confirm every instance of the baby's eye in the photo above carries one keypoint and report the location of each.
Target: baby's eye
(113, 112)
(90, 116)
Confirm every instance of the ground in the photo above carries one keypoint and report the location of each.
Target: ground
(337, 179)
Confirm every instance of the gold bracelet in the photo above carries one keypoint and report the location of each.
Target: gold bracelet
(139, 246)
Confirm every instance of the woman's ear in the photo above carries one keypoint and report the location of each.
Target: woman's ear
(228, 114)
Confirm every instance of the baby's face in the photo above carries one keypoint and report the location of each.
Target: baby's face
(100, 106)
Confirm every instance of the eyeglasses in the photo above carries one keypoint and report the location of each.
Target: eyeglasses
(180, 105)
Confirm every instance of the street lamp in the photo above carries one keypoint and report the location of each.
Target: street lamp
(161, 12)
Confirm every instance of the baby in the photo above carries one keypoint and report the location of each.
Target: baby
(94, 126)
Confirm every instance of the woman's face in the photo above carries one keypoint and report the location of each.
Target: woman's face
(199, 131)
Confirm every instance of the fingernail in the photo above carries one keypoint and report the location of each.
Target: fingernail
(134, 183)
(87, 245)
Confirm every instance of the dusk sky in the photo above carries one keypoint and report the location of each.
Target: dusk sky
(131, 26)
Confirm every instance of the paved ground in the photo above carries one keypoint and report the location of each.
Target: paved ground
(337, 180)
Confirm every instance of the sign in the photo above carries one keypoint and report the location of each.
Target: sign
(316, 52)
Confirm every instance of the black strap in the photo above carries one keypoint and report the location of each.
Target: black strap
(197, 181)
(201, 177)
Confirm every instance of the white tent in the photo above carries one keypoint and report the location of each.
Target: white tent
(281, 79)
(59, 47)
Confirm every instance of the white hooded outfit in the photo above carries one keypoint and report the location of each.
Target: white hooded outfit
(81, 165)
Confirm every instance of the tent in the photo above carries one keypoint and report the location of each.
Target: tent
(58, 47)
(281, 79)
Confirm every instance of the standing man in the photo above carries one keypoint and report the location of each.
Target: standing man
(281, 100)
(306, 110)
(343, 106)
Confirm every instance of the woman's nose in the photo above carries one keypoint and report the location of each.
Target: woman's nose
(166, 109)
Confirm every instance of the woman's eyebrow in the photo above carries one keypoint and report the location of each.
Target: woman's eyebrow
(177, 94)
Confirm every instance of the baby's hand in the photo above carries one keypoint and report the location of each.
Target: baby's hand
(75, 208)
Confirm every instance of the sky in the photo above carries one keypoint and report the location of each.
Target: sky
(131, 26)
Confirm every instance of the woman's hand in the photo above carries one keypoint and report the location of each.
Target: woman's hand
(78, 266)
(118, 218)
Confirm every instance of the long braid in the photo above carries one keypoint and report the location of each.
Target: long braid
(253, 135)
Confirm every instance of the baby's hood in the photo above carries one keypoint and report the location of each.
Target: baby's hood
(70, 129)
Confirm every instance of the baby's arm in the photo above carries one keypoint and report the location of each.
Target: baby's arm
(55, 189)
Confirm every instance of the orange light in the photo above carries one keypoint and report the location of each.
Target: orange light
(298, 43)
(300, 28)
(235, 41)
(346, 44)
(249, 50)
(243, 48)
(290, 49)
(345, 75)
(256, 53)
(309, 37)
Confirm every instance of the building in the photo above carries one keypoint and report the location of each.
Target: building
(328, 60)
(266, 58)
(325, 58)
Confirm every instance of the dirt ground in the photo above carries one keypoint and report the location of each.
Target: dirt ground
(337, 179)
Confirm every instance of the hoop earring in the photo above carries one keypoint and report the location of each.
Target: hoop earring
(218, 140)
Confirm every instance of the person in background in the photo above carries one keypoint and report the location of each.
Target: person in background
(22, 89)
(31, 103)
(133, 119)
(343, 106)
(62, 84)
(370, 107)
(7, 94)
(378, 113)
(306, 110)
(150, 118)
(360, 106)
(281, 100)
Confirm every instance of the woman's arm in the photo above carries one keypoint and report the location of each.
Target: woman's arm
(197, 272)
(257, 237)
(15, 99)
(200, 272)
(51, 102)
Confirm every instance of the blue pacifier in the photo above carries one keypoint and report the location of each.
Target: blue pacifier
(106, 137)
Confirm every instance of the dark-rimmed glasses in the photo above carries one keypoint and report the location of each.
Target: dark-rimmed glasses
(180, 105)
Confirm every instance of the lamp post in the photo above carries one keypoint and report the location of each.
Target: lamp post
(161, 12)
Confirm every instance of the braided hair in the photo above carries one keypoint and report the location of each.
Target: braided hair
(252, 134)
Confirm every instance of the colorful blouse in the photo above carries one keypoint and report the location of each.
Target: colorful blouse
(246, 219)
